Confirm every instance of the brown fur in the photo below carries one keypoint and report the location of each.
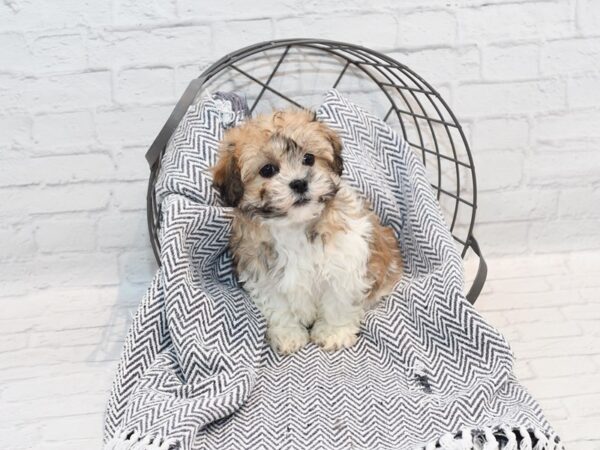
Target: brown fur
(283, 139)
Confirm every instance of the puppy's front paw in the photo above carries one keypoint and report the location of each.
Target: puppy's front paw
(331, 338)
(288, 340)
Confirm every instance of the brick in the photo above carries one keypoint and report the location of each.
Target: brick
(130, 196)
(569, 346)
(184, 74)
(481, 99)
(497, 22)
(17, 243)
(522, 204)
(16, 53)
(35, 14)
(55, 53)
(511, 62)
(499, 170)
(562, 366)
(584, 406)
(459, 63)
(565, 235)
(564, 387)
(131, 12)
(164, 46)
(582, 312)
(131, 125)
(583, 262)
(579, 430)
(532, 265)
(33, 410)
(538, 317)
(100, 335)
(76, 428)
(68, 91)
(145, 85)
(19, 130)
(65, 270)
(138, 267)
(508, 238)
(570, 168)
(591, 295)
(54, 386)
(553, 409)
(377, 30)
(65, 235)
(415, 30)
(56, 170)
(570, 56)
(224, 9)
(496, 319)
(26, 437)
(544, 330)
(577, 202)
(69, 129)
(534, 300)
(569, 125)
(10, 91)
(75, 444)
(123, 230)
(588, 16)
(583, 91)
(499, 134)
(65, 198)
(14, 342)
(227, 35)
(519, 286)
(522, 370)
(131, 164)
(21, 308)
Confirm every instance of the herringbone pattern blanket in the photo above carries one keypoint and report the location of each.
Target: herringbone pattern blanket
(427, 371)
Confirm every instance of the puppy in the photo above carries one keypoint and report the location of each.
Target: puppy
(306, 247)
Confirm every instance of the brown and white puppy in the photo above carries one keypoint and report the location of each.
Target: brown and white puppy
(306, 247)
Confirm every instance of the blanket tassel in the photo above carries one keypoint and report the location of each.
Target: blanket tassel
(500, 438)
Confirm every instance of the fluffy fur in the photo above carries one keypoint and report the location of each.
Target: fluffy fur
(306, 247)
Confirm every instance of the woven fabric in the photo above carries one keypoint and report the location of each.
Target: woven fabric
(427, 370)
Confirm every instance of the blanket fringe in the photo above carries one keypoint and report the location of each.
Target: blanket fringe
(135, 441)
(499, 438)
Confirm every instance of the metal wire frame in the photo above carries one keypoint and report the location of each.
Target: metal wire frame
(390, 76)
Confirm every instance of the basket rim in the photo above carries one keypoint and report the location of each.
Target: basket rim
(332, 47)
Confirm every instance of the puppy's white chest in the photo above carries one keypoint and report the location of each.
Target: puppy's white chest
(315, 265)
(299, 261)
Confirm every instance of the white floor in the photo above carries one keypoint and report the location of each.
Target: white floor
(57, 357)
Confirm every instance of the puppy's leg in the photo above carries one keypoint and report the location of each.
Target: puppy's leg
(284, 329)
(338, 322)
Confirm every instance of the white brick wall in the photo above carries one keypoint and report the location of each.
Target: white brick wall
(85, 87)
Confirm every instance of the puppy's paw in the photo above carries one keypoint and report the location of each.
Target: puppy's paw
(332, 338)
(288, 340)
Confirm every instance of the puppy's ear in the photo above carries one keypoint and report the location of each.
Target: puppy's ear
(336, 144)
(226, 175)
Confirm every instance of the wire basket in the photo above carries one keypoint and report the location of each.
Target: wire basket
(296, 72)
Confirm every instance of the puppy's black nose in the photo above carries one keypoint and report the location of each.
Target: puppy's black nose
(299, 186)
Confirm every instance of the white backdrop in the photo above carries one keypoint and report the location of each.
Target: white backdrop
(85, 87)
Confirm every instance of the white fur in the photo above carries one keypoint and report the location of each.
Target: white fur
(313, 283)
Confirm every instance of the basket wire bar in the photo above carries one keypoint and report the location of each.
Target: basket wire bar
(420, 113)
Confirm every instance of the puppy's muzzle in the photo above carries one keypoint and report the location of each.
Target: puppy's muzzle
(299, 186)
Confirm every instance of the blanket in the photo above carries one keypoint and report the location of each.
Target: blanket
(426, 372)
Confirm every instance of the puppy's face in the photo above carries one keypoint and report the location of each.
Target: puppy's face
(282, 167)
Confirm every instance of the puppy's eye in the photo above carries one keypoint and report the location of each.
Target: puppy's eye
(309, 159)
(268, 170)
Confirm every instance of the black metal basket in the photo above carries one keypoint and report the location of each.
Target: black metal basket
(294, 72)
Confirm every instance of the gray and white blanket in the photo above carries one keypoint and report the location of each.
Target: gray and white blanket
(427, 371)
